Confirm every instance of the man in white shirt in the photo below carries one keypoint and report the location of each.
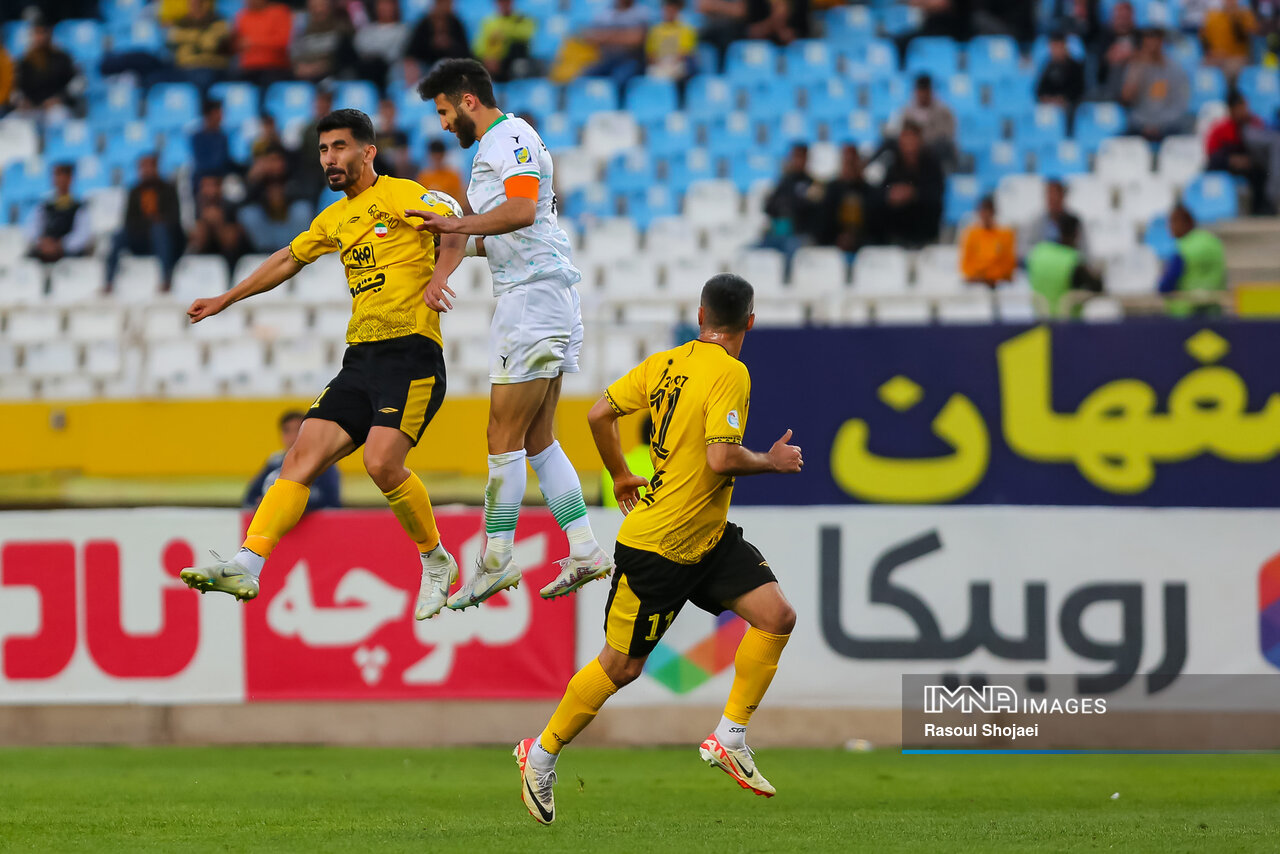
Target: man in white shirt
(536, 334)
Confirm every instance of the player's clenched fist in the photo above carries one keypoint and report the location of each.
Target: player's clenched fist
(786, 458)
(202, 308)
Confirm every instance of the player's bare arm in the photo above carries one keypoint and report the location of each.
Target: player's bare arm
(735, 460)
(604, 430)
(448, 256)
(512, 215)
(279, 267)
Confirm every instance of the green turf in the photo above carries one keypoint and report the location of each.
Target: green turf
(333, 799)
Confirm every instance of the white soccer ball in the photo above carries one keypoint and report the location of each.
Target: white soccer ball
(441, 204)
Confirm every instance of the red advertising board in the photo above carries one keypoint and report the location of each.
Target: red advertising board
(335, 620)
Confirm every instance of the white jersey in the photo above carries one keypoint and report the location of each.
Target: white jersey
(539, 252)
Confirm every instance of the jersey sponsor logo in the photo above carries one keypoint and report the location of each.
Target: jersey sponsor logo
(504, 359)
(522, 154)
(355, 218)
(382, 218)
(732, 418)
(388, 410)
(372, 283)
(362, 257)
(380, 229)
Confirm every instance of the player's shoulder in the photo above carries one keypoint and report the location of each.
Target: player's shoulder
(717, 363)
(400, 186)
(330, 212)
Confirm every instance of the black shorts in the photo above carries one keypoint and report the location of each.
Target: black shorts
(649, 590)
(394, 383)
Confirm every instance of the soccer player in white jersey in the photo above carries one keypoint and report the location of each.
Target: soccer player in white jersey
(536, 334)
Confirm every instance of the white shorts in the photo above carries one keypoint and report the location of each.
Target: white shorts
(536, 332)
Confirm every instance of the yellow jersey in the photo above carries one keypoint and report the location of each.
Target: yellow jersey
(388, 262)
(697, 395)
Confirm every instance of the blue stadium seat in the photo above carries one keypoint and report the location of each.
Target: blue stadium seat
(960, 93)
(998, 160)
(122, 11)
(423, 129)
(1261, 88)
(670, 135)
(1159, 238)
(130, 142)
(584, 12)
(992, 58)
(650, 98)
(240, 139)
(881, 57)
(588, 95)
(1045, 125)
(289, 102)
(849, 25)
(548, 37)
(530, 98)
(961, 199)
(1211, 197)
(175, 153)
(91, 174)
(750, 60)
(746, 170)
(239, 103)
(557, 130)
(706, 59)
(785, 131)
(900, 20)
(356, 95)
(140, 34)
(1060, 159)
(1207, 84)
(631, 171)
(888, 96)
(82, 38)
(328, 197)
(768, 96)
(228, 8)
(711, 94)
(696, 164)
(731, 136)
(978, 130)
(410, 109)
(593, 201)
(1187, 52)
(809, 61)
(15, 38)
(860, 128)
(172, 106)
(68, 141)
(26, 181)
(933, 55)
(644, 206)
(830, 101)
(1096, 122)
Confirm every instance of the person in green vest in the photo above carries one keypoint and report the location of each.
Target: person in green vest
(503, 43)
(1056, 266)
(1199, 265)
(638, 460)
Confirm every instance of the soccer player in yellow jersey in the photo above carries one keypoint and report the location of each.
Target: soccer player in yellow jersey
(676, 544)
(392, 379)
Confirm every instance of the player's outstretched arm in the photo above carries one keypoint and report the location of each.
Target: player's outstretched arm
(735, 461)
(279, 267)
(604, 430)
(515, 213)
(448, 256)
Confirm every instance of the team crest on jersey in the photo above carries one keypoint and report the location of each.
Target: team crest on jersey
(732, 418)
(522, 154)
(380, 229)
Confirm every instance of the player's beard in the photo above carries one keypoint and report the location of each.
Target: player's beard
(340, 179)
(465, 129)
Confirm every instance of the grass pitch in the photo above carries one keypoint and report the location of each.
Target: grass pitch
(335, 799)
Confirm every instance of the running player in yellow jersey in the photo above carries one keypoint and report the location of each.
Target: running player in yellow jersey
(676, 544)
(392, 379)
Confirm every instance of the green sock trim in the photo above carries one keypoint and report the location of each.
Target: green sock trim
(568, 508)
(500, 518)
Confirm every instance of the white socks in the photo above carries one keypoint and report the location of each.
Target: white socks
(540, 759)
(563, 492)
(250, 561)
(502, 498)
(731, 734)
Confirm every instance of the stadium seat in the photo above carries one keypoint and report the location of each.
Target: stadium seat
(887, 96)
(1180, 159)
(1207, 84)
(961, 199)
(175, 153)
(549, 37)
(1040, 52)
(1020, 198)
(8, 359)
(711, 94)
(1088, 196)
(537, 97)
(859, 128)
(82, 38)
(848, 26)
(696, 164)
(750, 60)
(630, 277)
(979, 129)
(1096, 122)
(900, 312)
(824, 161)
(13, 246)
(106, 207)
(766, 97)
(95, 323)
(649, 99)
(607, 133)
(1109, 236)
(998, 161)
(938, 270)
(1187, 52)
(68, 387)
(766, 269)
(992, 58)
(32, 325)
(1211, 197)
(329, 321)
(91, 175)
(1014, 306)
(630, 171)
(1102, 310)
(138, 34)
(199, 276)
(574, 169)
(290, 102)
(830, 101)
(356, 95)
(1122, 159)
(936, 56)
(118, 104)
(68, 141)
(649, 203)
(236, 359)
(683, 277)
(1043, 126)
(617, 236)
(1134, 272)
(809, 61)
(735, 135)
(239, 103)
(881, 57)
(302, 355)
(174, 359)
(16, 36)
(818, 270)
(157, 322)
(711, 202)
(103, 358)
(588, 96)
(668, 136)
(592, 202)
(966, 308)
(1208, 115)
(1145, 199)
(51, 358)
(19, 140)
(1261, 88)
(126, 145)
(899, 20)
(1061, 159)
(746, 169)
(172, 107)
(74, 280)
(22, 280)
(26, 181)
(671, 235)
(960, 93)
(273, 322)
(137, 280)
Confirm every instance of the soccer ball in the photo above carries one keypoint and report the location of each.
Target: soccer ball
(440, 203)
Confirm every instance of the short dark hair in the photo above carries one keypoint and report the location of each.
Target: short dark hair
(208, 105)
(454, 78)
(924, 81)
(65, 166)
(291, 415)
(1182, 210)
(436, 146)
(360, 125)
(1055, 184)
(987, 201)
(1235, 98)
(727, 302)
(1068, 230)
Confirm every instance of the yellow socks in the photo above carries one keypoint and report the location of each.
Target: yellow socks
(754, 665)
(587, 691)
(280, 510)
(412, 506)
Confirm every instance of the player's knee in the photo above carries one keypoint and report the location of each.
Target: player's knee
(779, 620)
(627, 671)
(387, 473)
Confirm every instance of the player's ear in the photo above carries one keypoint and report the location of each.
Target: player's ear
(751, 320)
(700, 316)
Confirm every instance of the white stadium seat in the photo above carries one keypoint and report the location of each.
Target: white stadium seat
(199, 276)
(22, 283)
(973, 307)
(52, 358)
(261, 383)
(613, 235)
(298, 356)
(68, 387)
(1020, 199)
(331, 321)
(575, 169)
(895, 312)
(684, 277)
(819, 271)
(246, 265)
(158, 322)
(19, 139)
(76, 280)
(8, 358)
(13, 245)
(106, 210)
(1102, 309)
(938, 270)
(137, 280)
(32, 325)
(1015, 305)
(468, 320)
(276, 320)
(824, 161)
(95, 323)
(711, 202)
(1180, 159)
(1122, 159)
(173, 359)
(610, 132)
(103, 358)
(765, 269)
(17, 387)
(1110, 236)
(879, 271)
(1145, 199)
(1135, 272)
(232, 323)
(1211, 112)
(1088, 196)
(671, 235)
(630, 277)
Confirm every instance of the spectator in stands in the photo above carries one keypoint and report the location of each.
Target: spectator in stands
(262, 32)
(6, 80)
(988, 252)
(503, 43)
(45, 72)
(268, 138)
(671, 46)
(935, 120)
(1157, 91)
(1062, 79)
(439, 35)
(59, 226)
(1078, 17)
(1015, 18)
(951, 18)
(325, 491)
(1243, 145)
(778, 21)
(309, 175)
(322, 47)
(723, 23)
(200, 42)
(380, 43)
(393, 144)
(216, 231)
(1226, 34)
(273, 219)
(911, 195)
(618, 35)
(846, 204)
(1048, 227)
(210, 146)
(794, 206)
(1117, 48)
(1057, 266)
(1198, 266)
(152, 222)
(438, 174)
